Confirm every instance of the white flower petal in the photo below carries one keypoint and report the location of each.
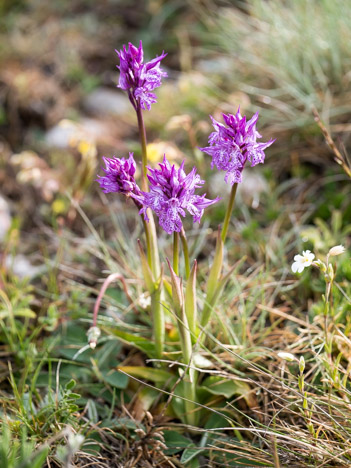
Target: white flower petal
(310, 257)
(300, 268)
(298, 258)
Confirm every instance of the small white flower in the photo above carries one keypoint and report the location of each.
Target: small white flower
(286, 356)
(144, 301)
(75, 441)
(337, 250)
(302, 261)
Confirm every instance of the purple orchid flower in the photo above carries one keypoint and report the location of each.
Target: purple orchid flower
(139, 78)
(172, 193)
(119, 176)
(234, 143)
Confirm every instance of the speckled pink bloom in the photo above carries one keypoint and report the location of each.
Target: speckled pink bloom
(139, 78)
(119, 176)
(172, 193)
(235, 143)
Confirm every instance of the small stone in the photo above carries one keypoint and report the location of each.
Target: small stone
(67, 133)
(21, 266)
(60, 136)
(5, 218)
(107, 102)
(252, 187)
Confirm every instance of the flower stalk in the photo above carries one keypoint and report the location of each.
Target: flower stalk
(143, 143)
(152, 251)
(190, 377)
(229, 210)
(185, 253)
(213, 281)
(176, 252)
(158, 318)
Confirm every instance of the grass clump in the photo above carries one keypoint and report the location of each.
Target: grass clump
(290, 57)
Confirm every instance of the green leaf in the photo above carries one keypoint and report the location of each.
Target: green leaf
(145, 345)
(227, 388)
(190, 301)
(92, 411)
(92, 444)
(18, 313)
(115, 378)
(215, 421)
(177, 291)
(106, 354)
(40, 459)
(158, 376)
(122, 423)
(216, 269)
(175, 442)
(193, 463)
(70, 385)
(190, 454)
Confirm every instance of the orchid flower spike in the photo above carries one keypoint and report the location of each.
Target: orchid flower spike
(172, 193)
(139, 78)
(235, 143)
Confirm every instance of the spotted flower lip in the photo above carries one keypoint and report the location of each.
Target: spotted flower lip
(119, 176)
(139, 78)
(234, 143)
(172, 194)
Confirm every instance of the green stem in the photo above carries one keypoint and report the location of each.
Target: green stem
(148, 242)
(150, 229)
(152, 249)
(155, 259)
(143, 142)
(326, 313)
(190, 394)
(191, 377)
(229, 212)
(159, 321)
(185, 252)
(176, 253)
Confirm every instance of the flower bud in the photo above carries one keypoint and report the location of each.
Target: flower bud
(93, 336)
(330, 272)
(287, 356)
(302, 364)
(321, 265)
(337, 250)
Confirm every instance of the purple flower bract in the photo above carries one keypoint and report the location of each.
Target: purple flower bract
(172, 193)
(139, 78)
(119, 176)
(234, 143)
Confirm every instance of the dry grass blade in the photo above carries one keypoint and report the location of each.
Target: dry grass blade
(338, 157)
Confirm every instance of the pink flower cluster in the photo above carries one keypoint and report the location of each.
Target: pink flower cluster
(235, 143)
(139, 78)
(172, 191)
